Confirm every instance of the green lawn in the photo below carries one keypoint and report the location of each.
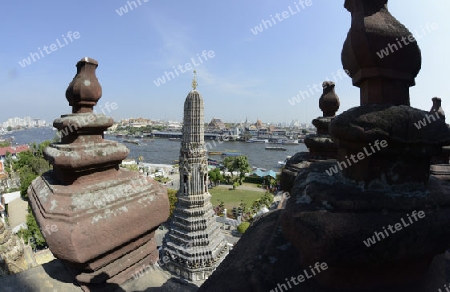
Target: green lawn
(232, 198)
(252, 185)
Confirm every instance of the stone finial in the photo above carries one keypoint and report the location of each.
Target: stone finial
(92, 201)
(320, 144)
(437, 106)
(381, 54)
(329, 101)
(84, 91)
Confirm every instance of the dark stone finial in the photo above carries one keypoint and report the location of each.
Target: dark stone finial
(437, 106)
(329, 101)
(371, 7)
(84, 91)
(380, 53)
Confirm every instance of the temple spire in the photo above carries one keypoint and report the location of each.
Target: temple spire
(194, 240)
(194, 81)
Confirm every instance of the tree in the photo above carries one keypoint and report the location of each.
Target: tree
(8, 163)
(215, 175)
(32, 234)
(172, 194)
(237, 163)
(9, 129)
(243, 227)
(29, 165)
(219, 209)
(265, 200)
(26, 176)
(241, 164)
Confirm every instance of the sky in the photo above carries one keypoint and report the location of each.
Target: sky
(242, 73)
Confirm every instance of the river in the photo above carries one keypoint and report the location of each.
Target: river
(164, 151)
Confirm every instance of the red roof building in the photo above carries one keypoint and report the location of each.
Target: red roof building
(13, 150)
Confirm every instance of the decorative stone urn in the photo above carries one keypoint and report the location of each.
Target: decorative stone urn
(84, 91)
(105, 216)
(437, 107)
(329, 101)
(381, 78)
(320, 144)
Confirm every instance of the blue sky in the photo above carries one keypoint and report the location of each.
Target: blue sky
(250, 75)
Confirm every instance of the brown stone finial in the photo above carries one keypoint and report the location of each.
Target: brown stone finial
(380, 54)
(92, 201)
(84, 91)
(329, 101)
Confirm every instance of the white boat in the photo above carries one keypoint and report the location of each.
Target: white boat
(283, 163)
(290, 142)
(254, 140)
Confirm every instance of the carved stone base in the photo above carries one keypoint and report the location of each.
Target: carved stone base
(198, 275)
(105, 229)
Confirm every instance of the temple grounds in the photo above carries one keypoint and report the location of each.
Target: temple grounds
(232, 198)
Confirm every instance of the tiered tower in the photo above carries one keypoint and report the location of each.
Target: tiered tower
(194, 243)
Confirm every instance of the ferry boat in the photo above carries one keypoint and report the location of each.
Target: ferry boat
(231, 154)
(276, 148)
(290, 142)
(131, 141)
(254, 140)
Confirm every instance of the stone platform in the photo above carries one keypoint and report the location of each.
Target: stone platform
(55, 277)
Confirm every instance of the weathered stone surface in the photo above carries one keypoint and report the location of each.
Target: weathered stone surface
(336, 216)
(368, 123)
(268, 265)
(12, 259)
(96, 218)
(404, 159)
(105, 216)
(321, 146)
(55, 277)
(253, 266)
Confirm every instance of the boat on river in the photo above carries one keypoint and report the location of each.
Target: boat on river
(254, 140)
(275, 148)
(136, 142)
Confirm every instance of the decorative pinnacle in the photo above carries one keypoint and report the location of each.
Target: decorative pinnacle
(194, 81)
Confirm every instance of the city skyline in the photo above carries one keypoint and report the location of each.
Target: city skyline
(264, 61)
(18, 122)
